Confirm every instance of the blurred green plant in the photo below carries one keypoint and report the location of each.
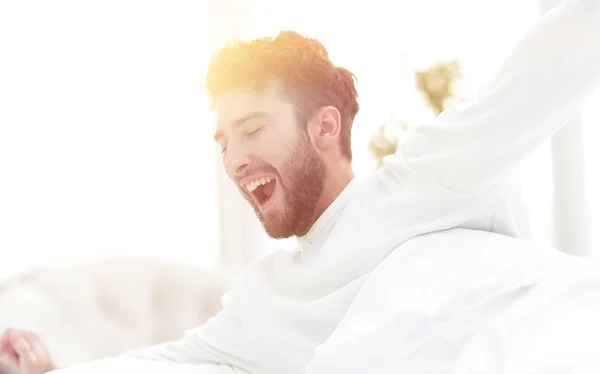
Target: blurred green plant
(436, 85)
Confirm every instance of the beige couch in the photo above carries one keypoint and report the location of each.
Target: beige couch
(91, 311)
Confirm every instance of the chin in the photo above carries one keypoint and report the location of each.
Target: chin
(277, 235)
(276, 230)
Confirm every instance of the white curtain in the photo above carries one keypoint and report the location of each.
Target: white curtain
(591, 154)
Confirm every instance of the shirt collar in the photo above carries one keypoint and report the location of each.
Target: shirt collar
(322, 225)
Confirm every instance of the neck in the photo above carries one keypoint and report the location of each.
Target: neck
(335, 183)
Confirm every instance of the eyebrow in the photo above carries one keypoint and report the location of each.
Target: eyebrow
(240, 121)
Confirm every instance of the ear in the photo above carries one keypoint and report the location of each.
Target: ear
(324, 128)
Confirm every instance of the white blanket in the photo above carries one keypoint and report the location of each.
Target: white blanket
(465, 301)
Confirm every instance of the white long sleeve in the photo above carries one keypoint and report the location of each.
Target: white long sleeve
(266, 326)
(540, 87)
(125, 366)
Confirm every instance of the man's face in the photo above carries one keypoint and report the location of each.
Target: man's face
(271, 159)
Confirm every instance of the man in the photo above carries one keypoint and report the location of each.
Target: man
(284, 116)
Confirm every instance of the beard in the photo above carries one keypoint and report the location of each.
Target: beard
(301, 181)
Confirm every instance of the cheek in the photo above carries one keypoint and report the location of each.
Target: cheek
(275, 149)
(276, 161)
(274, 154)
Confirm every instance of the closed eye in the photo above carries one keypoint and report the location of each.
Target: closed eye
(255, 131)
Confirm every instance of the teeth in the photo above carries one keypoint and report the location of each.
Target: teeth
(251, 186)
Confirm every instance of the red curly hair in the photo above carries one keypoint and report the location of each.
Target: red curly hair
(302, 69)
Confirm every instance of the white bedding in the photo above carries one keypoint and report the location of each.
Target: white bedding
(465, 301)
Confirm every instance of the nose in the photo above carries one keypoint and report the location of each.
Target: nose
(236, 163)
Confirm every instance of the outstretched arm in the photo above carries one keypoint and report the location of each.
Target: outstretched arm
(144, 366)
(538, 89)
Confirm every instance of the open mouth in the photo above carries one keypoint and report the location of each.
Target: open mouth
(262, 189)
